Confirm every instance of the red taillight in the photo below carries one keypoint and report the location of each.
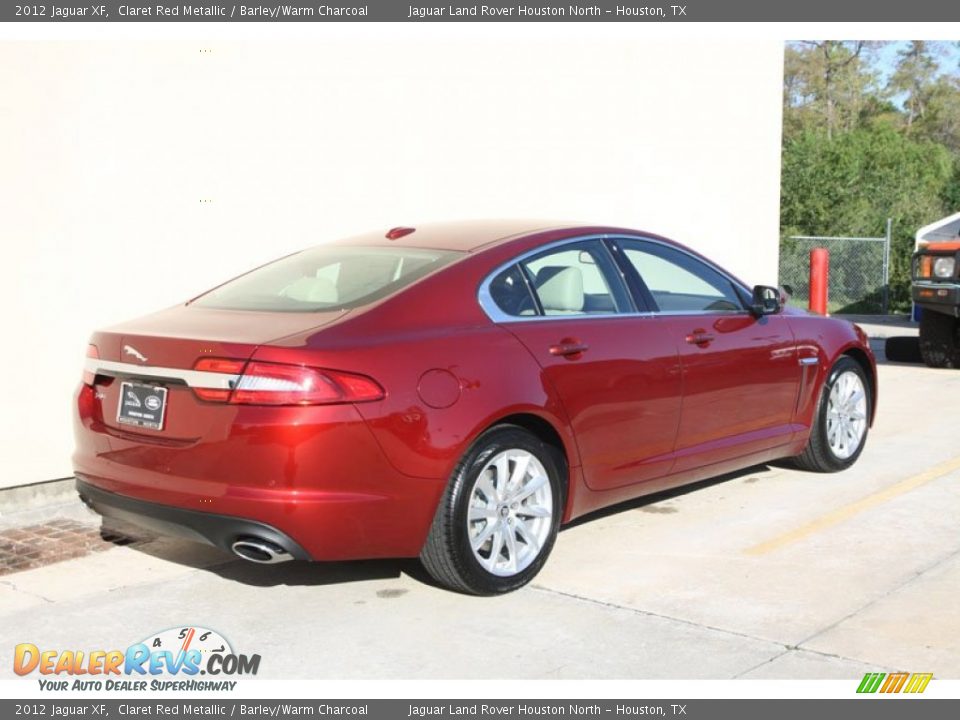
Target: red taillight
(276, 384)
(217, 365)
(262, 383)
(90, 377)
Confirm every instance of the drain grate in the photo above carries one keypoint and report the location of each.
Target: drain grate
(32, 546)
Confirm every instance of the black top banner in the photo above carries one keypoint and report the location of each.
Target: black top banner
(490, 11)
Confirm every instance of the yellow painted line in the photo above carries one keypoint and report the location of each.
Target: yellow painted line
(845, 513)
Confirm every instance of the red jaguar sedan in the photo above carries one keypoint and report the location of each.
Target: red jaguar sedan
(456, 392)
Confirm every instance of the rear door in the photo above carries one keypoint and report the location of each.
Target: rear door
(740, 372)
(615, 371)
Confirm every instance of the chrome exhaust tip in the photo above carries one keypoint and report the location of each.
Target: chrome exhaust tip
(260, 551)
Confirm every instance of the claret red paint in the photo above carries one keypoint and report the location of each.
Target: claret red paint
(456, 392)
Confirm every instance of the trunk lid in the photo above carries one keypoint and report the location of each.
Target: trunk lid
(177, 337)
(162, 350)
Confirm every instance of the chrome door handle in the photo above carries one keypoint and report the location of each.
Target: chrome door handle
(700, 337)
(568, 349)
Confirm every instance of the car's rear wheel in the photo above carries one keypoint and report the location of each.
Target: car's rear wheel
(842, 421)
(498, 519)
(939, 340)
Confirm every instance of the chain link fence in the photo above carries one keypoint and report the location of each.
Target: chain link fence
(859, 279)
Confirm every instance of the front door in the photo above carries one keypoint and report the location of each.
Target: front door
(740, 372)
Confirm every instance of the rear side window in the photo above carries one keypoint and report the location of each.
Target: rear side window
(327, 278)
(511, 292)
(575, 279)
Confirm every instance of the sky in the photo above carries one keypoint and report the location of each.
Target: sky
(887, 58)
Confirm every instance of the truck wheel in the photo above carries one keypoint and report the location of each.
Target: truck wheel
(903, 349)
(939, 340)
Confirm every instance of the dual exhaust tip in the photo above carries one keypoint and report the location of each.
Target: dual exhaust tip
(260, 551)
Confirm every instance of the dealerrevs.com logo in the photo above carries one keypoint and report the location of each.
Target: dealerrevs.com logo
(173, 659)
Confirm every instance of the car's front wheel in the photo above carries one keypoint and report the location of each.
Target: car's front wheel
(840, 427)
(498, 519)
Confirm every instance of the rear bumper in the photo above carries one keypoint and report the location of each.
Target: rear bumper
(312, 480)
(218, 530)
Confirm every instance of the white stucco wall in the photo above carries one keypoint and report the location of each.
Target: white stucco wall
(135, 174)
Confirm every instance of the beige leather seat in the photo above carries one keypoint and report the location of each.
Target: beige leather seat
(318, 290)
(361, 276)
(560, 290)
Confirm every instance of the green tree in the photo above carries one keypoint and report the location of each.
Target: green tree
(851, 183)
(826, 84)
(857, 150)
(915, 78)
(941, 120)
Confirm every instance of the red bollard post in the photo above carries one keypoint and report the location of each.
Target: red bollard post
(819, 271)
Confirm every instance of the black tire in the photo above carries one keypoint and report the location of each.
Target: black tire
(818, 455)
(939, 340)
(903, 349)
(447, 554)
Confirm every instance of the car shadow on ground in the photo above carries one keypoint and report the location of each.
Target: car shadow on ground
(648, 501)
(292, 573)
(300, 573)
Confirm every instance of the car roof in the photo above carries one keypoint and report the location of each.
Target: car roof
(462, 236)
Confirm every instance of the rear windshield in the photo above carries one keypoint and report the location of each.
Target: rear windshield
(327, 278)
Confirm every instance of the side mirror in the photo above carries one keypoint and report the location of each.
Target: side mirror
(766, 301)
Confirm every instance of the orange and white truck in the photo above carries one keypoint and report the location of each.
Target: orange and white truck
(936, 291)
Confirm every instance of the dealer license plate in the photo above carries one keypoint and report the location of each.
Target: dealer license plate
(142, 405)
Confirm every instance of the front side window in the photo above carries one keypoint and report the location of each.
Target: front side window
(327, 278)
(679, 282)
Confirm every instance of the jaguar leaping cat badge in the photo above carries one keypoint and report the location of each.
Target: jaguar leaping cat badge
(131, 350)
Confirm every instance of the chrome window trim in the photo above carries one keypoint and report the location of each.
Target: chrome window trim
(192, 378)
(489, 305)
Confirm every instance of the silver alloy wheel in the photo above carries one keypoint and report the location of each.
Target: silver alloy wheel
(510, 512)
(846, 415)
